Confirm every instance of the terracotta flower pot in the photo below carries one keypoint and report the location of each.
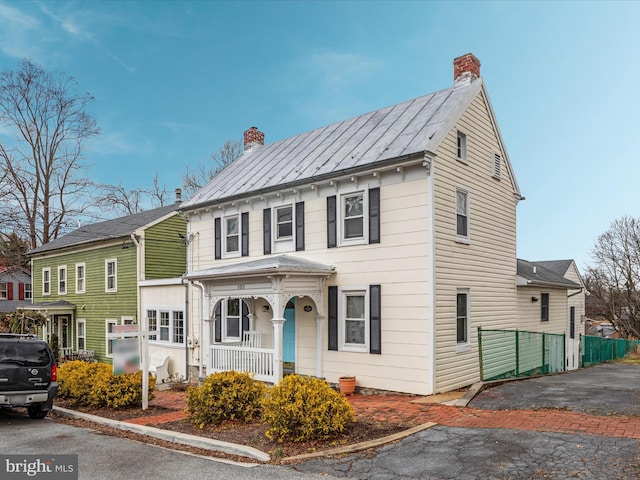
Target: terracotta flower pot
(347, 385)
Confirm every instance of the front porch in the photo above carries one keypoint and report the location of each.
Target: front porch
(259, 362)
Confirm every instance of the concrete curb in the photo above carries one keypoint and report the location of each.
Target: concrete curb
(168, 435)
(356, 447)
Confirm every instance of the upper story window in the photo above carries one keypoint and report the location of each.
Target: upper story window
(81, 270)
(283, 228)
(62, 280)
(462, 214)
(4, 291)
(461, 147)
(231, 235)
(353, 218)
(46, 281)
(284, 222)
(111, 275)
(544, 307)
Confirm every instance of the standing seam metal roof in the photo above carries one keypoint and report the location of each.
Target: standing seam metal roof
(401, 130)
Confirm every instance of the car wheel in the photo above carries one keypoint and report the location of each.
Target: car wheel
(37, 412)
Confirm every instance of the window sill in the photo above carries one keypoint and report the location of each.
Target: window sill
(463, 347)
(463, 240)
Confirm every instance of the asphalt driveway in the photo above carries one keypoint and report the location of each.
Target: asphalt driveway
(608, 389)
(442, 453)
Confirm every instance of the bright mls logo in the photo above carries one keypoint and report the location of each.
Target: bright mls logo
(52, 467)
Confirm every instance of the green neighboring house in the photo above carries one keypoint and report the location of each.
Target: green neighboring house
(88, 280)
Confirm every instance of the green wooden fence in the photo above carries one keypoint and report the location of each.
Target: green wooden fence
(599, 350)
(517, 353)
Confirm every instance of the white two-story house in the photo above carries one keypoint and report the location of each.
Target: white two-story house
(372, 247)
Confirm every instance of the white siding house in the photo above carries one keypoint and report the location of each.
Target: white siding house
(373, 247)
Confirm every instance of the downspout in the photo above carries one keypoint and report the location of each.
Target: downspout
(185, 284)
(200, 342)
(143, 327)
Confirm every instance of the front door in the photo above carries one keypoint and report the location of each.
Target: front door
(289, 335)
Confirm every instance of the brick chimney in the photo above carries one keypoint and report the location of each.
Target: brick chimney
(465, 69)
(252, 138)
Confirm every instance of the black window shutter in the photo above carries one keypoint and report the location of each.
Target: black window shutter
(218, 322)
(218, 238)
(299, 226)
(331, 222)
(266, 231)
(245, 233)
(333, 318)
(375, 324)
(245, 317)
(374, 215)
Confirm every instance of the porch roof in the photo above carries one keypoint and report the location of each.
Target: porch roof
(281, 264)
(57, 306)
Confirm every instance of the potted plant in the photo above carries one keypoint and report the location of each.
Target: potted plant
(347, 384)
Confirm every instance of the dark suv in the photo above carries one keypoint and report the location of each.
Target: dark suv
(28, 374)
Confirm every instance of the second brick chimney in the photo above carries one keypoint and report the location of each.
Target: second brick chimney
(253, 137)
(466, 68)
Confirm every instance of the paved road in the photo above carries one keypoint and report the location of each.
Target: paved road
(103, 457)
(444, 453)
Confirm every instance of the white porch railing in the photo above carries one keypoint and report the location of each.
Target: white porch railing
(257, 361)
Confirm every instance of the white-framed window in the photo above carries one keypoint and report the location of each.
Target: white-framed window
(28, 291)
(111, 275)
(353, 333)
(81, 333)
(109, 324)
(462, 214)
(62, 280)
(232, 319)
(353, 214)
(46, 281)
(152, 324)
(81, 273)
(166, 325)
(461, 147)
(231, 235)
(283, 219)
(4, 291)
(463, 329)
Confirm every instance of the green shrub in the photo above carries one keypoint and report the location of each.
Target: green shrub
(305, 408)
(225, 396)
(94, 384)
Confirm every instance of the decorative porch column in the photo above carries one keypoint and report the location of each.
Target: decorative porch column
(278, 324)
(319, 330)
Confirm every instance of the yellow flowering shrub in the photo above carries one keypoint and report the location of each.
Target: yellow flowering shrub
(94, 384)
(225, 396)
(305, 408)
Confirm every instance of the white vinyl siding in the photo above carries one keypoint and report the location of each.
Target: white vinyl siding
(487, 264)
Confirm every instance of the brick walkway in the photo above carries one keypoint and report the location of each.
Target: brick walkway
(404, 410)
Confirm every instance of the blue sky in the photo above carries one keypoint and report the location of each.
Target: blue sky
(173, 80)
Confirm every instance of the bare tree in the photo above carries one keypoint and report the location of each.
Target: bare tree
(199, 176)
(614, 279)
(127, 202)
(43, 182)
